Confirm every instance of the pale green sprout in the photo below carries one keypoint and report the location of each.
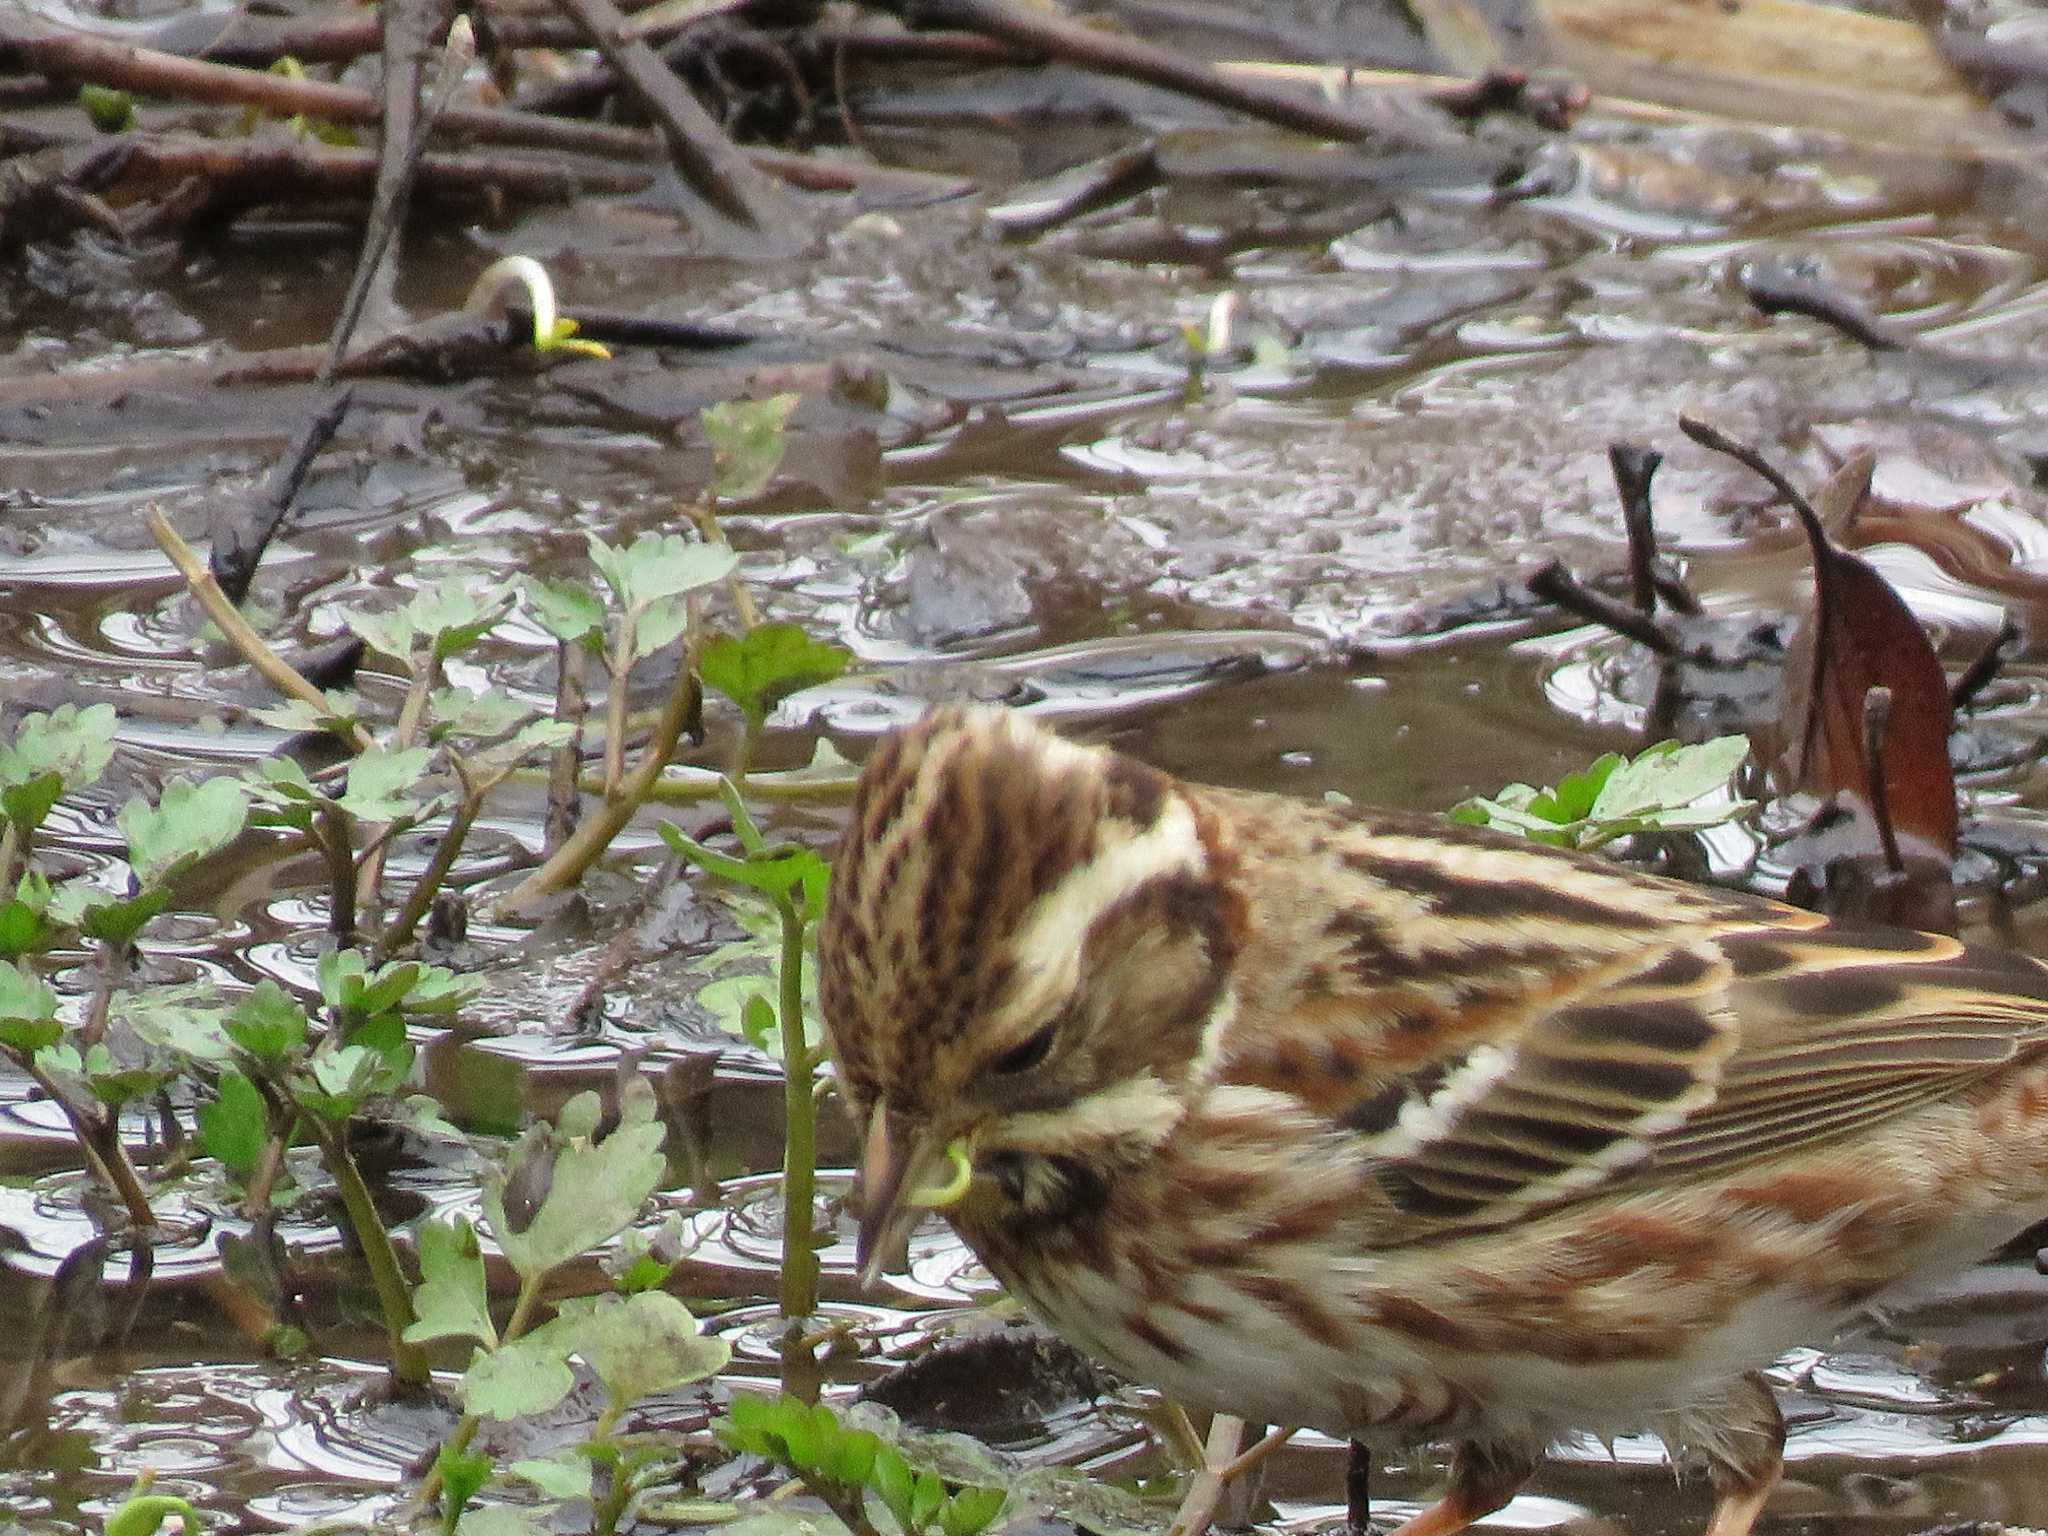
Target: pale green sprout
(551, 332)
(959, 1174)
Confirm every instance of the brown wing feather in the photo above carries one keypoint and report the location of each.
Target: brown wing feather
(1708, 1055)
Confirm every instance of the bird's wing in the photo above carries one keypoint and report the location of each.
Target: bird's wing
(1717, 1049)
(1492, 1027)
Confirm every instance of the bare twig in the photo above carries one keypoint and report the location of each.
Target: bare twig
(1553, 583)
(409, 112)
(275, 670)
(1044, 30)
(1634, 467)
(696, 145)
(1979, 673)
(239, 542)
(1877, 721)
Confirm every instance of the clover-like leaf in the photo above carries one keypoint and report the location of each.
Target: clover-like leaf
(747, 441)
(28, 1011)
(656, 566)
(768, 663)
(380, 783)
(501, 1520)
(269, 1024)
(1667, 776)
(340, 715)
(53, 755)
(186, 1021)
(452, 1301)
(641, 1344)
(528, 1376)
(596, 1188)
(566, 1476)
(574, 614)
(188, 822)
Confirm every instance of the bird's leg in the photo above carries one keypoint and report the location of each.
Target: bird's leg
(1747, 1456)
(1483, 1478)
(1358, 1490)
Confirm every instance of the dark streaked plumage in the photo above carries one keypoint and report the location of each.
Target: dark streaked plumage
(1399, 1129)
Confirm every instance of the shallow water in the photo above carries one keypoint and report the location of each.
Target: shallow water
(1291, 576)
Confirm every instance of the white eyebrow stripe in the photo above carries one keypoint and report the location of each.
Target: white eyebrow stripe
(1050, 937)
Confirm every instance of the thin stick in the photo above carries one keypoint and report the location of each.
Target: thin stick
(1044, 30)
(1877, 721)
(1634, 467)
(1977, 675)
(1555, 584)
(275, 670)
(698, 148)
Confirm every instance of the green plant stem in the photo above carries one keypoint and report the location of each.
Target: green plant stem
(99, 1137)
(409, 1369)
(431, 879)
(565, 763)
(800, 1127)
(466, 1427)
(14, 855)
(370, 873)
(620, 665)
(331, 831)
(112, 969)
(669, 790)
(596, 831)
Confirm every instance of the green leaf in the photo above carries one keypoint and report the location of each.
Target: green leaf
(640, 1344)
(850, 1458)
(462, 1474)
(234, 1126)
(28, 1011)
(971, 1511)
(747, 441)
(480, 716)
(269, 1024)
(1667, 776)
(926, 1499)
(453, 1301)
(114, 1082)
(26, 804)
(24, 928)
(186, 1021)
(656, 566)
(111, 110)
(1573, 798)
(574, 614)
(895, 1482)
(187, 823)
(798, 873)
(70, 743)
(597, 1187)
(118, 922)
(141, 1516)
(380, 783)
(501, 1520)
(341, 714)
(559, 1477)
(769, 662)
(528, 1376)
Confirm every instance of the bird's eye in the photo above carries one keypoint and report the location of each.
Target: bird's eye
(1022, 1058)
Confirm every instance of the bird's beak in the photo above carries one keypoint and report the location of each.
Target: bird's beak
(899, 1160)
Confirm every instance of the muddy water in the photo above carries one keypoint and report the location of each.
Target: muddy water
(1298, 573)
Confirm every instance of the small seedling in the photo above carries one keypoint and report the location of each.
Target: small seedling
(1658, 791)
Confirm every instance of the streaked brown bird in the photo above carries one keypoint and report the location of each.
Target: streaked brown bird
(1398, 1129)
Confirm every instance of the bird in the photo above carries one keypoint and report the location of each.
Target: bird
(1411, 1132)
